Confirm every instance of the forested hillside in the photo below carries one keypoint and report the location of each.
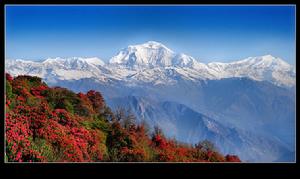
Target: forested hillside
(44, 124)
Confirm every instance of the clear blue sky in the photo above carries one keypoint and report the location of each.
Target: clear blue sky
(208, 33)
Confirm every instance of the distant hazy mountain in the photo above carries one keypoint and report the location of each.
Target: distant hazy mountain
(251, 102)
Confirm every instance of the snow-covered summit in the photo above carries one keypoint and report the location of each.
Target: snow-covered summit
(150, 54)
(267, 67)
(266, 61)
(154, 45)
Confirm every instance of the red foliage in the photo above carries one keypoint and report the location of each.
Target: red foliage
(97, 100)
(64, 118)
(7, 102)
(81, 95)
(168, 150)
(232, 158)
(131, 155)
(57, 127)
(20, 98)
(21, 90)
(209, 154)
(85, 107)
(36, 91)
(8, 77)
(159, 141)
(17, 137)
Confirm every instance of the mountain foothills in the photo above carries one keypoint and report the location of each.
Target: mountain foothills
(46, 124)
(245, 107)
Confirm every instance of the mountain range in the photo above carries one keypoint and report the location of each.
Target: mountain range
(246, 107)
(153, 62)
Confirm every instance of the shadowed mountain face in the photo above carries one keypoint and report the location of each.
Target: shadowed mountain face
(246, 106)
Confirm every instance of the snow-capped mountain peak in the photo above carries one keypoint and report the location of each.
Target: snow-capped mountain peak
(274, 61)
(266, 62)
(154, 45)
(149, 54)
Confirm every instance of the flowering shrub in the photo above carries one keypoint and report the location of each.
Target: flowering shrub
(85, 106)
(17, 135)
(57, 128)
(132, 155)
(64, 118)
(7, 103)
(36, 91)
(232, 158)
(160, 142)
(96, 99)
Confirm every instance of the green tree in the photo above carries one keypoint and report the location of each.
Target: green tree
(158, 131)
(125, 117)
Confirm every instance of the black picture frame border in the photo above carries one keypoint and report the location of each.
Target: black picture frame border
(80, 170)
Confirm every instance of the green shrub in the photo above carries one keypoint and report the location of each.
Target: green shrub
(45, 149)
(62, 98)
(32, 101)
(9, 93)
(68, 106)
(97, 123)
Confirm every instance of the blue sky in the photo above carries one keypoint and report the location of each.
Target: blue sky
(208, 33)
